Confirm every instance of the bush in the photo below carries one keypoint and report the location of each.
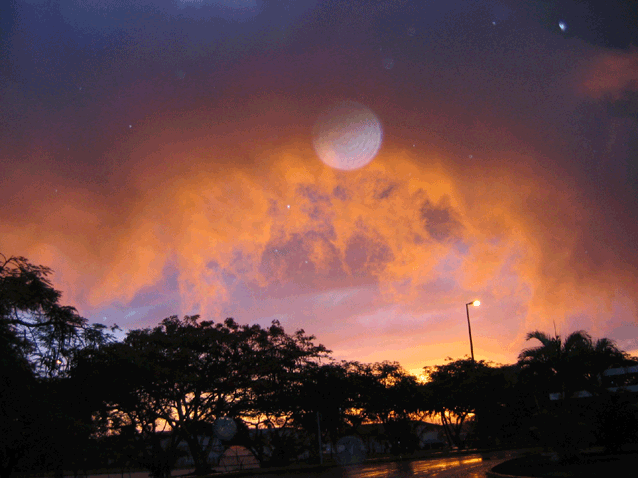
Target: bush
(617, 423)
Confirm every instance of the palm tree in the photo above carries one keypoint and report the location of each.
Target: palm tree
(572, 365)
(568, 366)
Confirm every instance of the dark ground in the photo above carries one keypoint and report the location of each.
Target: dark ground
(593, 465)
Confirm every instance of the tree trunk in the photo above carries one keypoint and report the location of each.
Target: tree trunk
(446, 428)
(200, 460)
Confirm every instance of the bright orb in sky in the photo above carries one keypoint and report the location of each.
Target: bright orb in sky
(347, 136)
(562, 25)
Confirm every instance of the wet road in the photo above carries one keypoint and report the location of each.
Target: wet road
(469, 466)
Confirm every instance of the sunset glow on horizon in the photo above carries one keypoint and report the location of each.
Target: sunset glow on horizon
(485, 169)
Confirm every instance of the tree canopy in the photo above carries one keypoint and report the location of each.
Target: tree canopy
(184, 374)
(35, 324)
(66, 383)
(40, 342)
(569, 365)
(456, 391)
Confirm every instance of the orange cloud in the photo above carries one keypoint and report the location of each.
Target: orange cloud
(611, 74)
(265, 217)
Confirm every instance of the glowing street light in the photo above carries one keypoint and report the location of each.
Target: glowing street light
(475, 303)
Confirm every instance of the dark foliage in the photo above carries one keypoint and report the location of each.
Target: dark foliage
(45, 419)
(458, 391)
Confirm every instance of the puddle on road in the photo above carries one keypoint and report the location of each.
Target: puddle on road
(401, 469)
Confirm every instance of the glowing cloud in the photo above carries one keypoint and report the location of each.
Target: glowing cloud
(611, 74)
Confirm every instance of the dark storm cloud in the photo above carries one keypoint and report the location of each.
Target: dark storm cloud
(439, 220)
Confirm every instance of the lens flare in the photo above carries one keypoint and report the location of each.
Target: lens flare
(347, 136)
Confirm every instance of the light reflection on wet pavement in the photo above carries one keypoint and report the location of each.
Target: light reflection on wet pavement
(469, 466)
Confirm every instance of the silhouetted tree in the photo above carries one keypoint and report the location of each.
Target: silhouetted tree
(42, 411)
(394, 394)
(20, 410)
(347, 394)
(30, 309)
(616, 421)
(566, 367)
(324, 390)
(184, 374)
(571, 365)
(277, 378)
(505, 416)
(393, 397)
(456, 391)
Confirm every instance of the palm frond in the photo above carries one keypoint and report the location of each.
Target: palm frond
(579, 340)
(542, 337)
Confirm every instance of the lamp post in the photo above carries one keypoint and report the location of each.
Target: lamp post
(475, 303)
(319, 438)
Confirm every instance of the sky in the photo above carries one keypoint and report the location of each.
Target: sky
(361, 170)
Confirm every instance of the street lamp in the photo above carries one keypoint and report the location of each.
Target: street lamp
(475, 303)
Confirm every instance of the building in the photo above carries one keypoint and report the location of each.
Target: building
(613, 379)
